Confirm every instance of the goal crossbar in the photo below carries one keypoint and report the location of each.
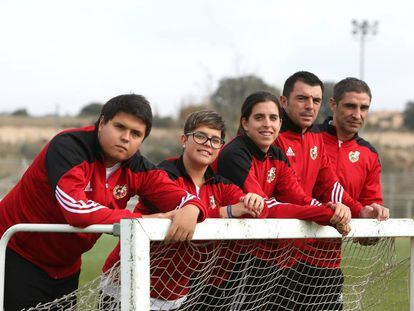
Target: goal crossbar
(135, 258)
(137, 234)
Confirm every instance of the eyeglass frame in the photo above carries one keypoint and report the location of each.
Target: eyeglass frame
(222, 142)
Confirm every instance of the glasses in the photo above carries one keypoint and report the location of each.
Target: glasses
(201, 138)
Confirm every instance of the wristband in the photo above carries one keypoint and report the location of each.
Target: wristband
(229, 213)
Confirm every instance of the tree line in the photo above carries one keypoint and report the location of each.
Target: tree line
(227, 100)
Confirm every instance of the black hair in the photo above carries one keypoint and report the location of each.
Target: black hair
(350, 85)
(251, 101)
(303, 76)
(133, 104)
(208, 118)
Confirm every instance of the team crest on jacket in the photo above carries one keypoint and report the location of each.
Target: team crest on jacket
(354, 156)
(212, 201)
(120, 191)
(313, 152)
(271, 174)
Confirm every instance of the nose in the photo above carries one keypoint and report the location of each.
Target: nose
(309, 103)
(126, 135)
(357, 114)
(266, 121)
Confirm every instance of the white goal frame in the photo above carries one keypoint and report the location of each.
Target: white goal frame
(136, 235)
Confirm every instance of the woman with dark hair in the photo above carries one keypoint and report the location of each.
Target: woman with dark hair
(255, 165)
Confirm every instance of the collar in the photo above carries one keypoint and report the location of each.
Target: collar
(253, 148)
(331, 129)
(288, 125)
(208, 175)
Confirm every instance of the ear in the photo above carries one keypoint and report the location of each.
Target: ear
(101, 123)
(283, 101)
(332, 104)
(244, 124)
(183, 140)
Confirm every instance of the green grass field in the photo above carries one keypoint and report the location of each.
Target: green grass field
(93, 260)
(390, 289)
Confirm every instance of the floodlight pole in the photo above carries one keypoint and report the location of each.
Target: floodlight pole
(362, 29)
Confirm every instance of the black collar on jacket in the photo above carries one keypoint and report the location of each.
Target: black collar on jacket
(179, 167)
(331, 129)
(253, 148)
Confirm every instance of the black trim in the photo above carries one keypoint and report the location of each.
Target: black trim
(67, 150)
(175, 169)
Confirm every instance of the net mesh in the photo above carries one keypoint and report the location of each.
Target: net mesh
(370, 274)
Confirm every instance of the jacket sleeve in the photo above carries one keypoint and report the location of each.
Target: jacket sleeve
(237, 166)
(319, 214)
(67, 165)
(157, 188)
(289, 190)
(230, 195)
(328, 188)
(371, 191)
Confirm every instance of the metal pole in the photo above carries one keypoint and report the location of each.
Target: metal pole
(361, 56)
(362, 29)
(135, 266)
(411, 273)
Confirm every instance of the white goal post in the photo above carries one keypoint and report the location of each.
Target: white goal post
(137, 236)
(40, 228)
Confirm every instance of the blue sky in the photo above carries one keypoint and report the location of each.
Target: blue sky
(69, 53)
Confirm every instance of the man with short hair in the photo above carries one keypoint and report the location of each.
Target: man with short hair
(318, 283)
(355, 160)
(85, 176)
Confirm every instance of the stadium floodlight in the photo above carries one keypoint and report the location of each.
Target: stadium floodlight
(362, 30)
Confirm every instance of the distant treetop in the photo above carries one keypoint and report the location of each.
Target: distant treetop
(91, 110)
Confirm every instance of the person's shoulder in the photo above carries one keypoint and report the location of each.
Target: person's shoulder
(218, 179)
(364, 143)
(319, 128)
(77, 144)
(138, 163)
(236, 146)
(316, 130)
(171, 167)
(83, 133)
(277, 154)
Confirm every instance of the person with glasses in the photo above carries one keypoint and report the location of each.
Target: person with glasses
(174, 264)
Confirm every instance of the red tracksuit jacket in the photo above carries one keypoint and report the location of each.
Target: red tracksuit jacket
(356, 163)
(173, 265)
(270, 175)
(307, 155)
(66, 184)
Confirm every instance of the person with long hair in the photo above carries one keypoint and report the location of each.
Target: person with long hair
(254, 164)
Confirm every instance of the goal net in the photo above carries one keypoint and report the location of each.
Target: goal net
(318, 271)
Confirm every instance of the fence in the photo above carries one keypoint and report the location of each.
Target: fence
(136, 236)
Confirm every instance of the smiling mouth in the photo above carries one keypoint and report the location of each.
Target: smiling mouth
(266, 133)
(204, 151)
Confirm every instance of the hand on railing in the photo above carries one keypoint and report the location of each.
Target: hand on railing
(375, 210)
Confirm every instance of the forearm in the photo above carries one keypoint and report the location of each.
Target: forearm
(319, 214)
